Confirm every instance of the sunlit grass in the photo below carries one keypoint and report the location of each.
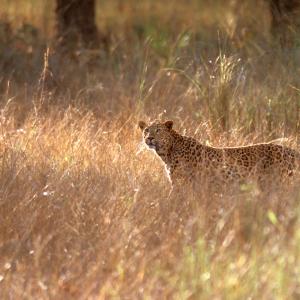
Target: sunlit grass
(82, 216)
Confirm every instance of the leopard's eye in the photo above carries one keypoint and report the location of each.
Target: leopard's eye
(146, 130)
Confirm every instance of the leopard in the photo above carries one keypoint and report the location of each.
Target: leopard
(187, 160)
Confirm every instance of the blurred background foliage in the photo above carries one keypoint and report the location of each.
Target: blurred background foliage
(213, 50)
(173, 32)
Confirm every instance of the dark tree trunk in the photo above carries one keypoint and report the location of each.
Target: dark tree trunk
(283, 14)
(76, 23)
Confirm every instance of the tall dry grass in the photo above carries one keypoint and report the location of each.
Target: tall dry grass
(84, 209)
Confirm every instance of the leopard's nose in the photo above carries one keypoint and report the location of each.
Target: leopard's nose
(149, 140)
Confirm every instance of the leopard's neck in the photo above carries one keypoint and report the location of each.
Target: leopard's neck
(179, 145)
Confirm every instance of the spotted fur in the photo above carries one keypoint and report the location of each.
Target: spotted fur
(186, 159)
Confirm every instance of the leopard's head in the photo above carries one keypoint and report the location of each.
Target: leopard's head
(158, 136)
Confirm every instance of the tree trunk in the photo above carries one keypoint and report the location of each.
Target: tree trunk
(76, 23)
(283, 14)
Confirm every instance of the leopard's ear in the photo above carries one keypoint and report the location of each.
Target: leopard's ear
(142, 125)
(169, 124)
